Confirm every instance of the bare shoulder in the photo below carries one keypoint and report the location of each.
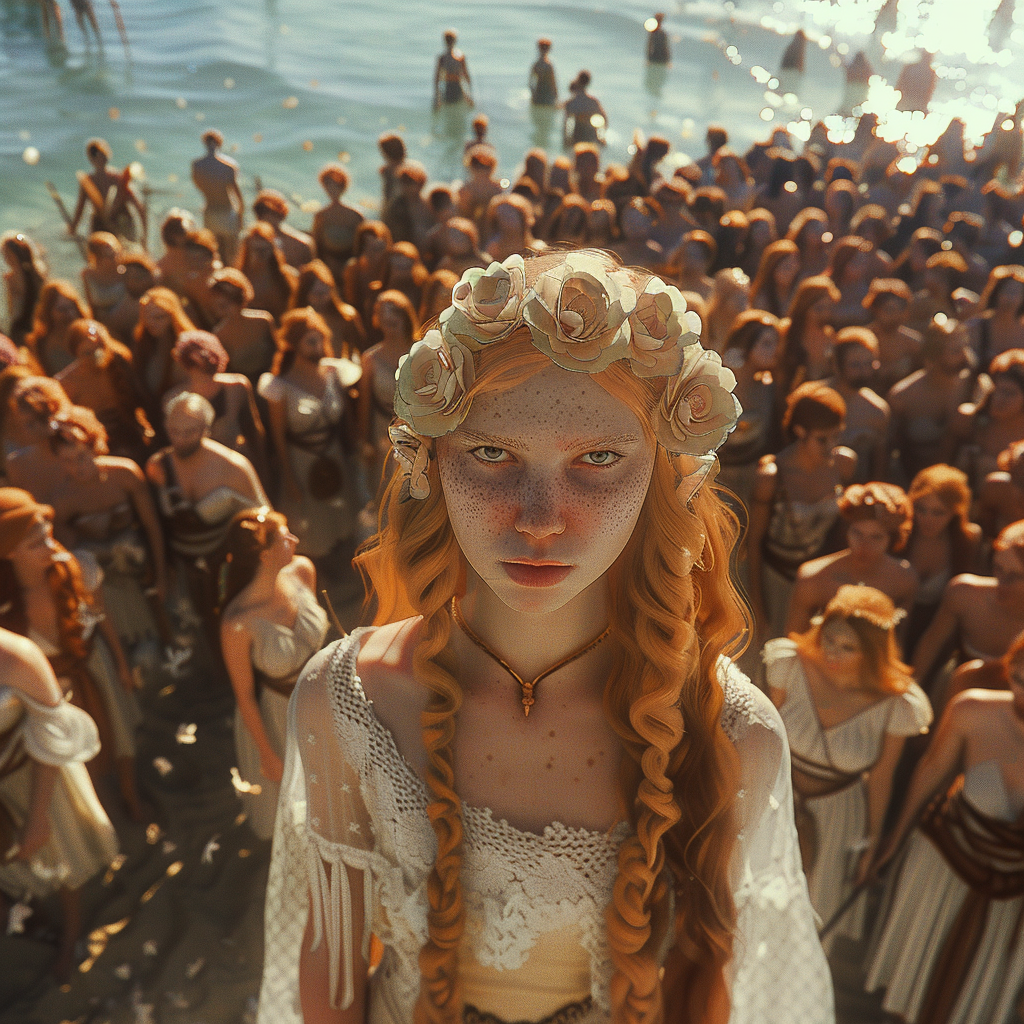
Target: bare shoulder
(903, 389)
(304, 570)
(155, 469)
(976, 708)
(964, 590)
(123, 470)
(766, 479)
(817, 567)
(27, 669)
(384, 662)
(259, 315)
(845, 460)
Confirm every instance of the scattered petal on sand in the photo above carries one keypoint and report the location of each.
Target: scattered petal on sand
(210, 849)
(153, 833)
(162, 765)
(30, 156)
(167, 690)
(186, 733)
(173, 869)
(194, 968)
(176, 658)
(242, 786)
(16, 918)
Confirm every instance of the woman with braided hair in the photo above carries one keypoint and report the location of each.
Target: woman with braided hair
(538, 781)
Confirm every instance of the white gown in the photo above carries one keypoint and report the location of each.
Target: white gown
(851, 747)
(535, 903)
(922, 904)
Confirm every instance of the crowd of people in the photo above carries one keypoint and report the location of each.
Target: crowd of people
(199, 435)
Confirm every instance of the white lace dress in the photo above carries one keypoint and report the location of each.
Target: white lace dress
(535, 903)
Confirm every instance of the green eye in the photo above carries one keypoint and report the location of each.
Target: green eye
(490, 453)
(601, 458)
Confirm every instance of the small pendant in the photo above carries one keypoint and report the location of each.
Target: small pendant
(528, 700)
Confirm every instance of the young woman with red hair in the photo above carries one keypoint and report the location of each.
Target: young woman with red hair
(311, 425)
(538, 780)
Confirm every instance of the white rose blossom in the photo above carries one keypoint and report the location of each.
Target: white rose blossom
(486, 304)
(577, 313)
(698, 409)
(432, 382)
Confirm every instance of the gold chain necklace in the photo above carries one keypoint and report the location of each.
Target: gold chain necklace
(526, 687)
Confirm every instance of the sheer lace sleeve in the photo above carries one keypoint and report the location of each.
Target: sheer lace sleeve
(779, 972)
(322, 829)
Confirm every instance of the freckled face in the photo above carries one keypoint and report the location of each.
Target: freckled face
(554, 471)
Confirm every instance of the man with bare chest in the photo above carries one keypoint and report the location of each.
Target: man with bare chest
(867, 414)
(216, 176)
(200, 486)
(450, 74)
(924, 404)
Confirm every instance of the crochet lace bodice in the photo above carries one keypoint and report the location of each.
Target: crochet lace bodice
(349, 799)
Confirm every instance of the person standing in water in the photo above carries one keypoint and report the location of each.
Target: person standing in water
(543, 89)
(584, 118)
(216, 176)
(450, 74)
(658, 51)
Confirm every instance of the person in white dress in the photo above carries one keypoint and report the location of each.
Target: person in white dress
(949, 950)
(848, 705)
(311, 417)
(54, 834)
(270, 626)
(538, 781)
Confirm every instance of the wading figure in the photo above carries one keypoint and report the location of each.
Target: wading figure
(545, 696)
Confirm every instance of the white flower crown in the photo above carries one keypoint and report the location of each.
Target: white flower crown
(583, 316)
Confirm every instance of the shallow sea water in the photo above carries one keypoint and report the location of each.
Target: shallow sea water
(295, 84)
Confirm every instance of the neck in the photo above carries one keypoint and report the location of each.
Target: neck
(30, 577)
(263, 583)
(807, 457)
(532, 642)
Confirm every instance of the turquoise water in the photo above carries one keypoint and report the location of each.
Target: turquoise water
(294, 84)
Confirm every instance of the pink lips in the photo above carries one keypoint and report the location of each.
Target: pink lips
(537, 574)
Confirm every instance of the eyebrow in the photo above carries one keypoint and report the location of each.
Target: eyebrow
(590, 444)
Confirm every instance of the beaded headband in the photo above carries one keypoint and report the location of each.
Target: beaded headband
(584, 314)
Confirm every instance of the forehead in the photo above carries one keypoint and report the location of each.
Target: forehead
(839, 631)
(553, 407)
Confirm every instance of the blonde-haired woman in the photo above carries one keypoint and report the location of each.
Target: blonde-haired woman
(525, 779)
(848, 704)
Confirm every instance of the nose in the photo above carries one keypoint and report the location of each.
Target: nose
(540, 514)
